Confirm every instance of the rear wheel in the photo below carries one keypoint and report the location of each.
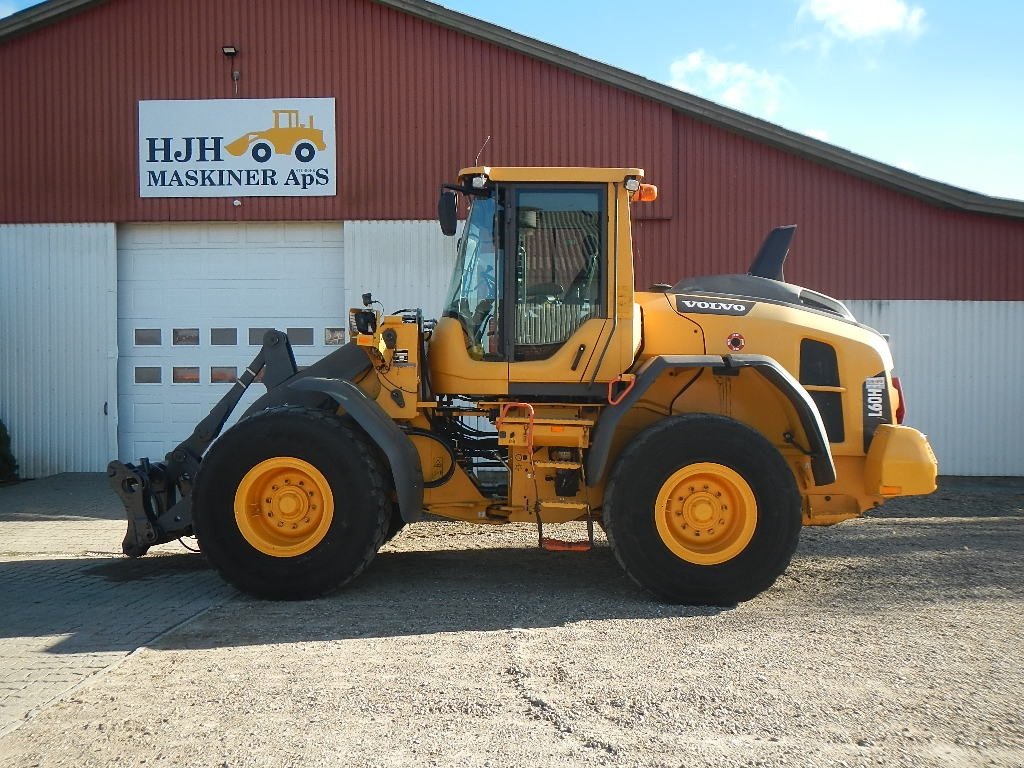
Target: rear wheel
(703, 510)
(304, 151)
(290, 503)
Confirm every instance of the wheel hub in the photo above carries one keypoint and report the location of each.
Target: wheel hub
(284, 506)
(706, 513)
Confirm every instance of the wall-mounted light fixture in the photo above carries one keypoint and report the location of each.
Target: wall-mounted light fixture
(231, 51)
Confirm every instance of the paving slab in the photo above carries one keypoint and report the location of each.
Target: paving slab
(71, 605)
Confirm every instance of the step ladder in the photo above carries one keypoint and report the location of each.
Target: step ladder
(523, 431)
(558, 545)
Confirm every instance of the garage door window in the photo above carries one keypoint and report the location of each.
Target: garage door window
(223, 337)
(147, 375)
(147, 337)
(185, 374)
(185, 337)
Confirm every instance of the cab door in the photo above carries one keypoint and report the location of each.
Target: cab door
(557, 322)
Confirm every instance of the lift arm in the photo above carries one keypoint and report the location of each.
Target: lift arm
(157, 496)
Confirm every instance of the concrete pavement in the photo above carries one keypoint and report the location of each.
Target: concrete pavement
(71, 605)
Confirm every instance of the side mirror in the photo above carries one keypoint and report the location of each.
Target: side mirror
(448, 211)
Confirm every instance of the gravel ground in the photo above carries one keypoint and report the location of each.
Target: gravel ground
(893, 640)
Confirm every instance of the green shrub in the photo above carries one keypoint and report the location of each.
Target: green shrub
(8, 464)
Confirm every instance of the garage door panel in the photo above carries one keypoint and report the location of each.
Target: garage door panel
(305, 232)
(264, 233)
(139, 237)
(223, 234)
(146, 265)
(182, 235)
(188, 414)
(148, 413)
(195, 278)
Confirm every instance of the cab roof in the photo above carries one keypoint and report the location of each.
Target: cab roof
(537, 173)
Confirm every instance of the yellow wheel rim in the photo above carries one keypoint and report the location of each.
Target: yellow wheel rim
(706, 513)
(284, 506)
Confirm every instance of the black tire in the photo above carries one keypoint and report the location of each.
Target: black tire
(261, 151)
(654, 457)
(304, 151)
(395, 524)
(361, 511)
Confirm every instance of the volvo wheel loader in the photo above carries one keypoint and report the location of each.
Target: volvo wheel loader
(699, 424)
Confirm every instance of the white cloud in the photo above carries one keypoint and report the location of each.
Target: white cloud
(733, 84)
(858, 19)
(817, 133)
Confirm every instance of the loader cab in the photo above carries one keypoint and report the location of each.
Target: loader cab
(540, 300)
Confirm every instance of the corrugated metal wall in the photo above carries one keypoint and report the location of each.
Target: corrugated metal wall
(855, 238)
(961, 367)
(415, 102)
(58, 359)
(403, 263)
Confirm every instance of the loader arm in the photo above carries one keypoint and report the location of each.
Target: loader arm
(157, 496)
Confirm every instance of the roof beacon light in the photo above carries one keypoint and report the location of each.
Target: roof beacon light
(646, 193)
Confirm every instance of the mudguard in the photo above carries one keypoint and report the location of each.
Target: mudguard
(401, 453)
(822, 467)
(346, 362)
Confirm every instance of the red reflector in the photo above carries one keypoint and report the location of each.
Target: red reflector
(901, 408)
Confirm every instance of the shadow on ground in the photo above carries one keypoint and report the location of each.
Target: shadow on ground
(856, 568)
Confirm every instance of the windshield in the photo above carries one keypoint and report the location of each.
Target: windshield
(477, 278)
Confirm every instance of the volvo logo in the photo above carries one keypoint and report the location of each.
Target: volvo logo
(705, 306)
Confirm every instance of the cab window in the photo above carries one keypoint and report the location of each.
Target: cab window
(559, 259)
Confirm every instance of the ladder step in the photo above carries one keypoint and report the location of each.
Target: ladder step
(558, 464)
(557, 545)
(582, 506)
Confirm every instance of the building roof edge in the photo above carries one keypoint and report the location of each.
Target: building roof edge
(40, 15)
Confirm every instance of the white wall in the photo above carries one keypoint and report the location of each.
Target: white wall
(58, 345)
(962, 368)
(403, 263)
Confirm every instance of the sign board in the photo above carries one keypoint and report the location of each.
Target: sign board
(237, 148)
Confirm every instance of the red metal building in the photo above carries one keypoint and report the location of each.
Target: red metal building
(417, 89)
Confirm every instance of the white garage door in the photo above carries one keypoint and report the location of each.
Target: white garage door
(193, 301)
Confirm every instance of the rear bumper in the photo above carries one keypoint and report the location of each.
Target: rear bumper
(900, 462)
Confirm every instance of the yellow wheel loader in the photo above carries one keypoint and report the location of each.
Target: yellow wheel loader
(699, 424)
(289, 136)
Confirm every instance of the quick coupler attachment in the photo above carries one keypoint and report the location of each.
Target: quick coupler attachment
(155, 515)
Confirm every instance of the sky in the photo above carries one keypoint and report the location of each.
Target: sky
(935, 87)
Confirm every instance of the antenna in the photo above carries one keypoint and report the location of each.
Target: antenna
(477, 160)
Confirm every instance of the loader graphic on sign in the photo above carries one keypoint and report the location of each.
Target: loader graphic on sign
(287, 137)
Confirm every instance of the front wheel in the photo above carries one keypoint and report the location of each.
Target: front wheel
(290, 503)
(703, 510)
(261, 151)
